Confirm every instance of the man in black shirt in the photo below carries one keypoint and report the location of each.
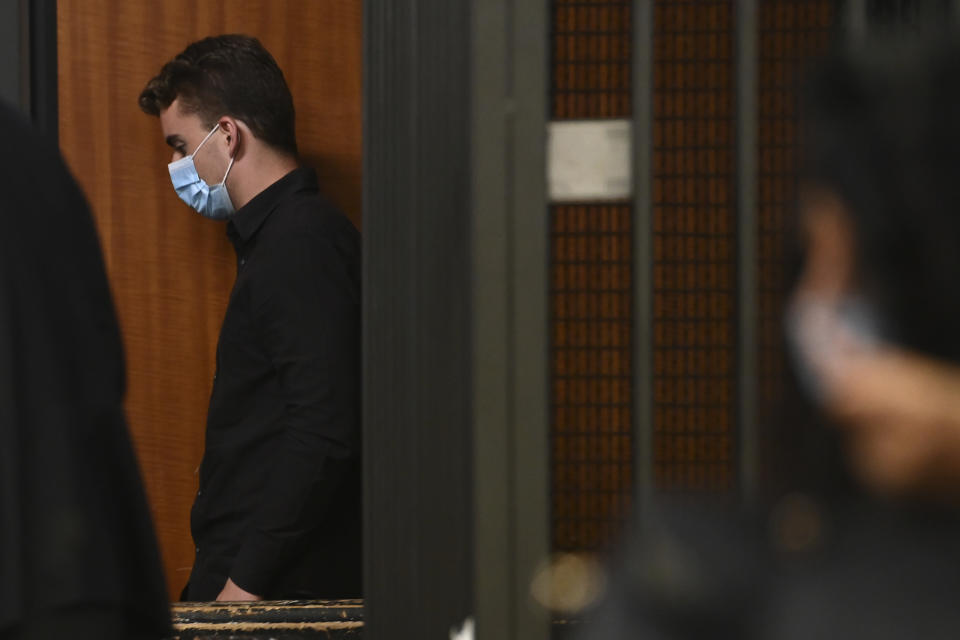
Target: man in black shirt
(277, 514)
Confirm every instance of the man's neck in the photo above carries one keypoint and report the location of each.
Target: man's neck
(245, 183)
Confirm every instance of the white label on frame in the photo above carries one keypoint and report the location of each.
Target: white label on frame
(589, 160)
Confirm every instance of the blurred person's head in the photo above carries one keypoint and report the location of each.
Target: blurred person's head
(880, 219)
(880, 195)
(225, 110)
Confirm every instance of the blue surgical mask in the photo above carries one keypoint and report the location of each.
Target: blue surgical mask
(822, 334)
(210, 202)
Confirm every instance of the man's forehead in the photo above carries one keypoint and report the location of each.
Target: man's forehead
(170, 122)
(175, 121)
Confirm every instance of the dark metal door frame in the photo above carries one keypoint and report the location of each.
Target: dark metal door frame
(455, 319)
(510, 336)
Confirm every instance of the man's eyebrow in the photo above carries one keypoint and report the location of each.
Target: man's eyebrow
(175, 141)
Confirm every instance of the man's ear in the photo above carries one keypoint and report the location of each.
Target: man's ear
(230, 129)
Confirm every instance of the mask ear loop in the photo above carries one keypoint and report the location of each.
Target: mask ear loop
(229, 166)
(202, 142)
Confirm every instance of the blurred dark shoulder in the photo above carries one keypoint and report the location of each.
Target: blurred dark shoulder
(53, 271)
(688, 569)
(802, 568)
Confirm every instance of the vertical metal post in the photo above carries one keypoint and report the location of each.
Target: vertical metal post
(511, 449)
(856, 21)
(529, 303)
(417, 279)
(747, 65)
(493, 602)
(643, 253)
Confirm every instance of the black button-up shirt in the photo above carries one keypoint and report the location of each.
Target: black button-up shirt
(278, 508)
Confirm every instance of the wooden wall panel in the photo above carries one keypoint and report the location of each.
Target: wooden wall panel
(170, 270)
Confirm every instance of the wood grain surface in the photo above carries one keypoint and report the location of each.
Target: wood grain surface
(170, 270)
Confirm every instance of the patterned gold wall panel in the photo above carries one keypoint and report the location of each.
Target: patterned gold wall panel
(591, 59)
(694, 244)
(591, 309)
(792, 33)
(591, 299)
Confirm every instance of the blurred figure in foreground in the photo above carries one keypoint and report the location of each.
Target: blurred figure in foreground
(78, 557)
(862, 540)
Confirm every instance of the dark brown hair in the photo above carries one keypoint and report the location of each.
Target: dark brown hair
(228, 75)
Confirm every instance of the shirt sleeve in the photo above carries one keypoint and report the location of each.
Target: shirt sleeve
(307, 310)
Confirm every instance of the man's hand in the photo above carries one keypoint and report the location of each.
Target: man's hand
(901, 413)
(232, 593)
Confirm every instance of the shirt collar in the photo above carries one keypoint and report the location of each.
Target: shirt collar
(245, 223)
